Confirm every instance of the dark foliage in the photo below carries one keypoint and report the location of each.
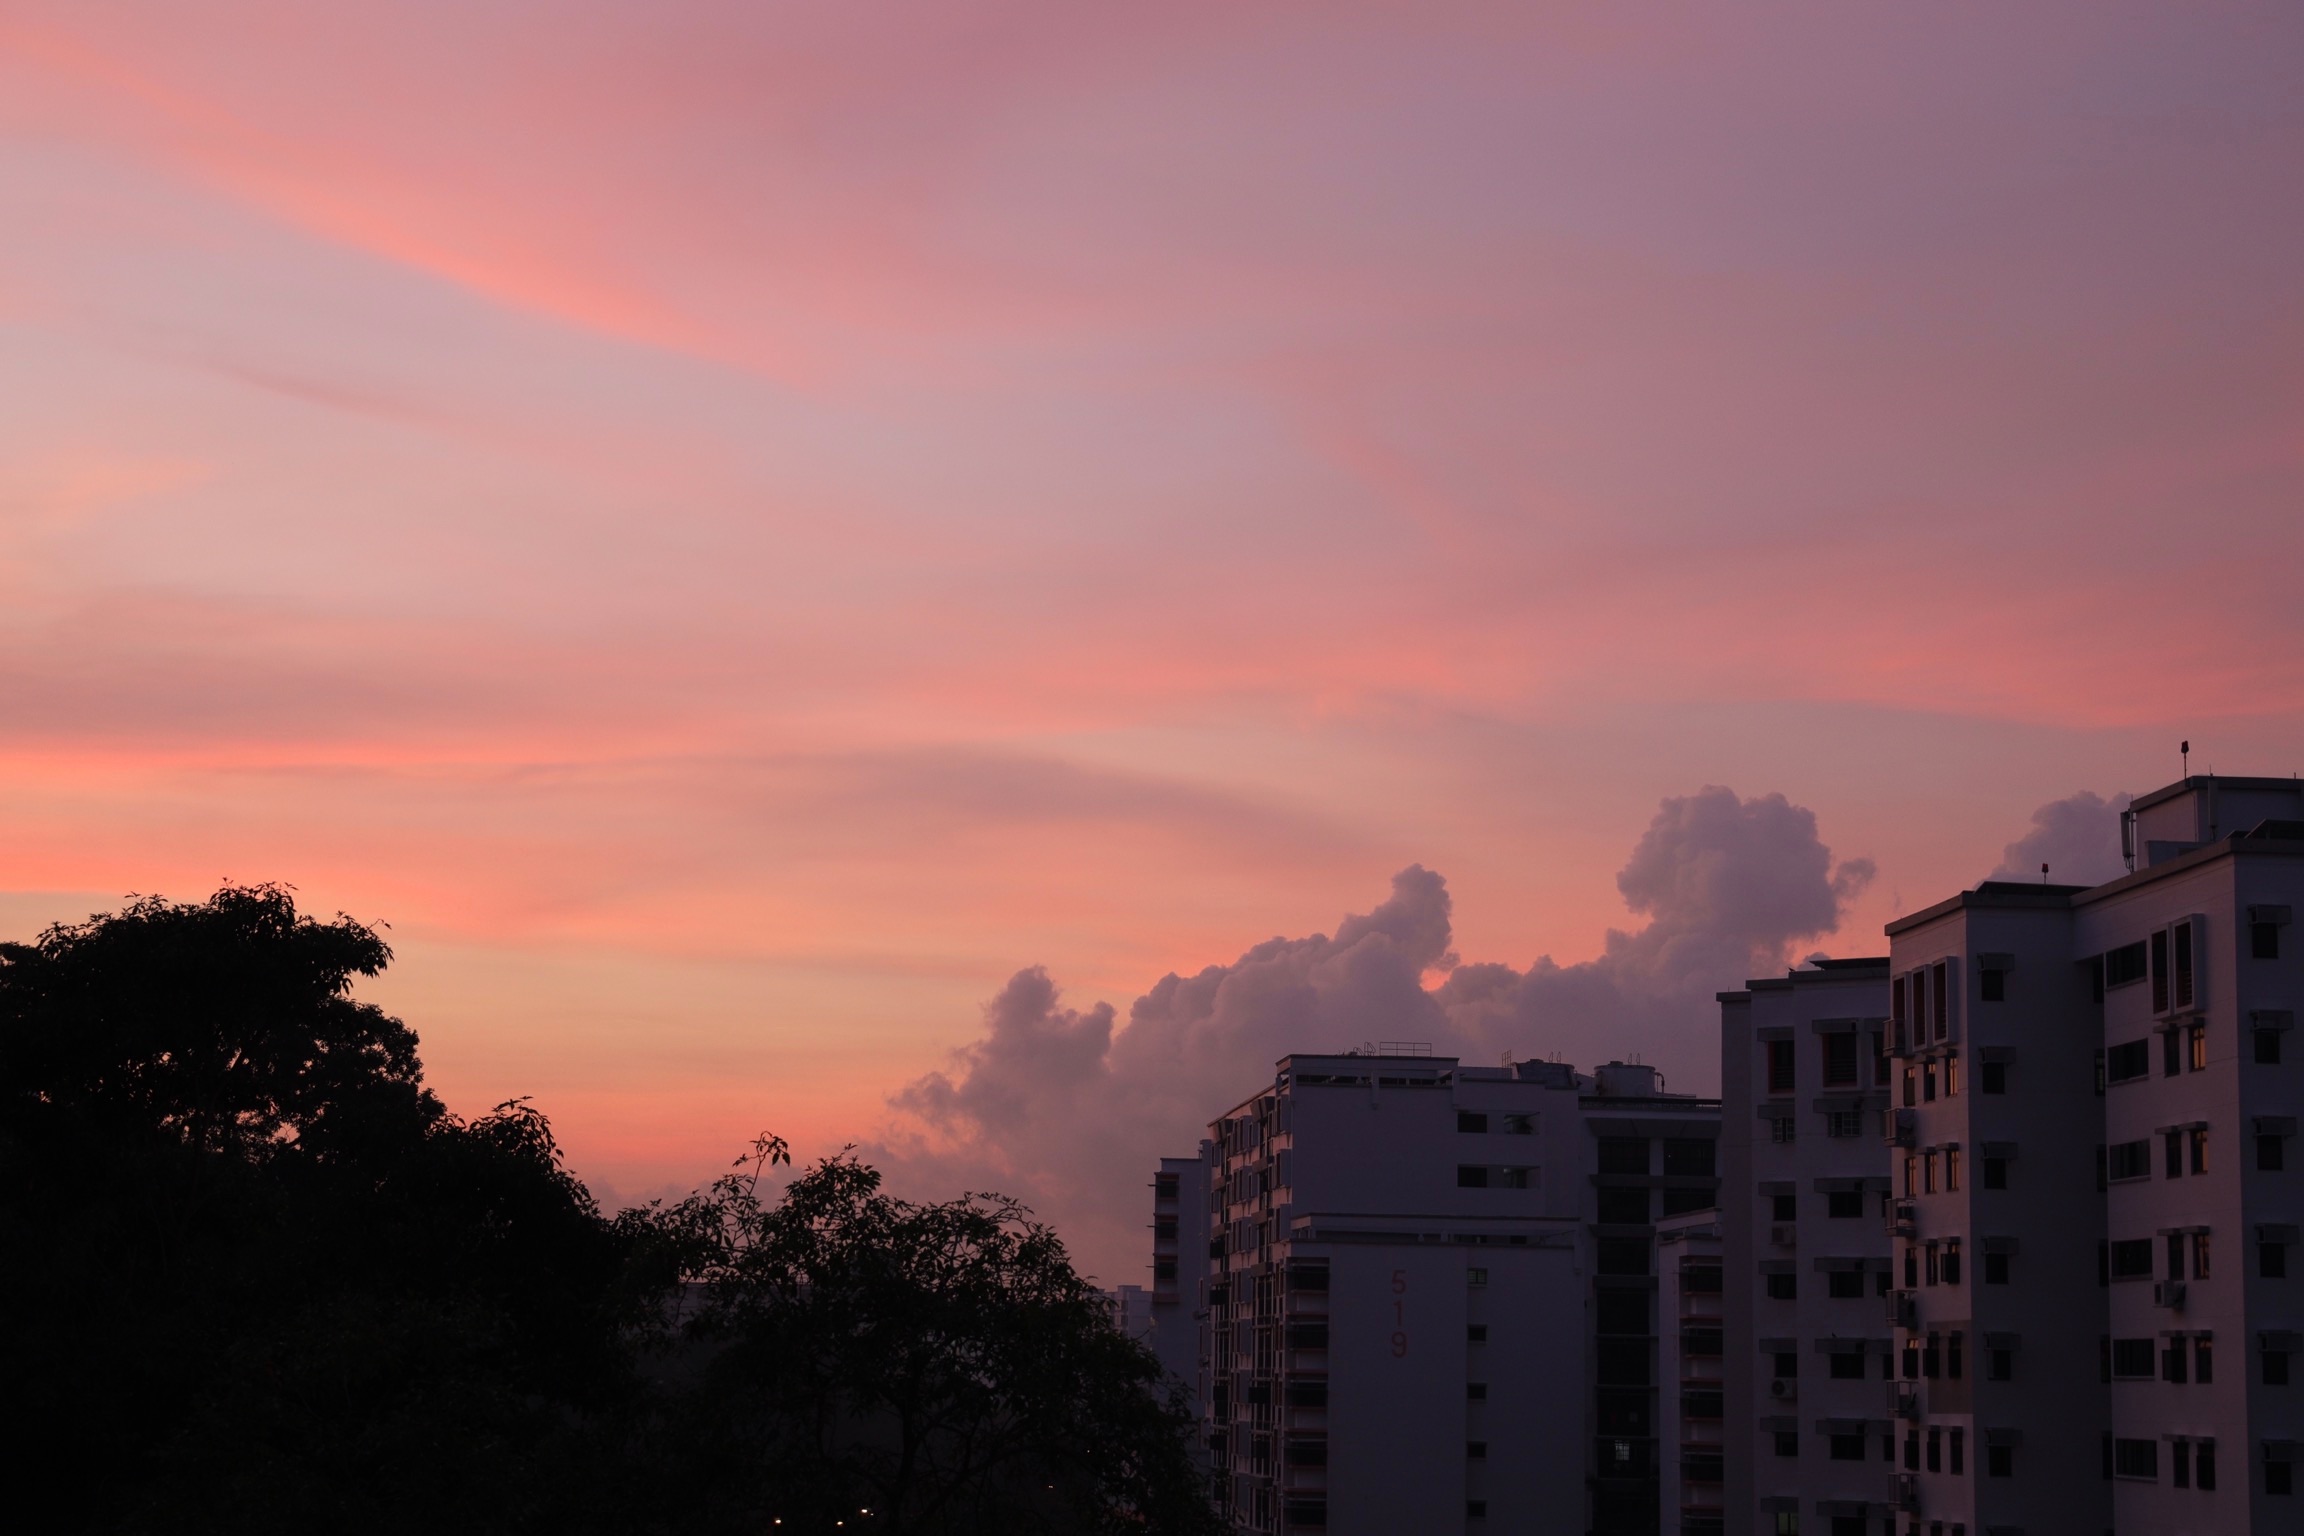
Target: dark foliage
(260, 1279)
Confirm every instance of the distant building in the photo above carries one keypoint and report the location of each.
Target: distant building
(1429, 1293)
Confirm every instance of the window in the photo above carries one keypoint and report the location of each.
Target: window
(1845, 1367)
(1928, 1082)
(2279, 1476)
(2272, 1261)
(2267, 1047)
(1992, 1077)
(1476, 1391)
(1623, 1311)
(1993, 985)
(1911, 1176)
(1787, 1444)
(1473, 1176)
(1999, 1364)
(1995, 1269)
(2126, 1063)
(1782, 1287)
(2128, 1160)
(1782, 1128)
(1954, 1343)
(1952, 1261)
(2172, 1362)
(2181, 942)
(1680, 1201)
(1623, 1256)
(1952, 1169)
(1780, 1074)
(1690, 1156)
(1475, 1276)
(1784, 1364)
(1841, 1204)
(1845, 1285)
(1845, 1447)
(2175, 1255)
(2173, 1142)
(1623, 1154)
(1999, 1461)
(1935, 1449)
(2199, 1255)
(1911, 1087)
(1475, 1509)
(2159, 947)
(2203, 1359)
(2171, 1053)
(2196, 1139)
(1928, 1173)
(1952, 1075)
(1519, 1125)
(2275, 1367)
(2180, 1463)
(2136, 1458)
(1843, 1123)
(2263, 941)
(1785, 1207)
(2132, 1360)
(1475, 1333)
(2271, 1154)
(1939, 998)
(2204, 1465)
(2124, 965)
(1959, 1452)
(1475, 1450)
(2132, 1259)
(1513, 1178)
(2196, 1047)
(1164, 1269)
(1995, 1173)
(1624, 1207)
(1467, 1121)
(1839, 1060)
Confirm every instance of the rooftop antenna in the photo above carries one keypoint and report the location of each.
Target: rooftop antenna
(2185, 748)
(2043, 874)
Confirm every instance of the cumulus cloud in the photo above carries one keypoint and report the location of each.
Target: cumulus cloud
(1057, 1105)
(2077, 837)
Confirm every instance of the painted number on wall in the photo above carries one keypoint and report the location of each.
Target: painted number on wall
(1399, 1314)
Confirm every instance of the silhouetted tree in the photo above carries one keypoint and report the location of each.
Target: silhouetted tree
(259, 1278)
(922, 1368)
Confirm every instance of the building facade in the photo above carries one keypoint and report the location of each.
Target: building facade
(2094, 1219)
(1691, 1405)
(1805, 1080)
(1429, 1299)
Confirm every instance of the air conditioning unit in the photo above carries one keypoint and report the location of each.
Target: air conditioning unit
(2168, 1293)
(1784, 1235)
(1784, 1389)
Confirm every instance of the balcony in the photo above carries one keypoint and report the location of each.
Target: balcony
(1901, 1127)
(1784, 1235)
(1905, 1403)
(1903, 1310)
(1903, 1219)
(2168, 1293)
(1907, 1493)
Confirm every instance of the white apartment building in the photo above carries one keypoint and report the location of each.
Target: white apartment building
(1180, 1268)
(1429, 1299)
(2081, 1361)
(1806, 1352)
(1691, 1407)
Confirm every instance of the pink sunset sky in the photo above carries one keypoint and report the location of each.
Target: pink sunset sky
(737, 528)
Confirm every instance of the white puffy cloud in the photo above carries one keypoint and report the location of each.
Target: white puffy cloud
(2077, 837)
(1054, 1104)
